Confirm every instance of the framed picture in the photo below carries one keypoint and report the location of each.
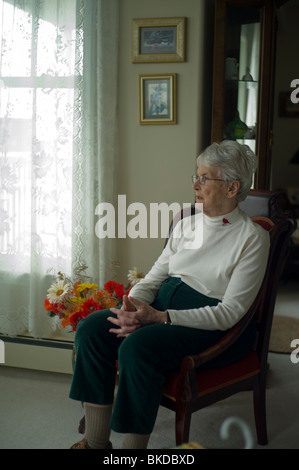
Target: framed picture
(158, 40)
(286, 107)
(157, 99)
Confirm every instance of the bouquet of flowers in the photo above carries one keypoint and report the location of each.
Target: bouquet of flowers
(73, 301)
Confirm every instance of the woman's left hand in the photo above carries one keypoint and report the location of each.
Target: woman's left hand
(130, 320)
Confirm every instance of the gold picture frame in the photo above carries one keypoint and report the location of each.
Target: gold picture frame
(158, 40)
(157, 99)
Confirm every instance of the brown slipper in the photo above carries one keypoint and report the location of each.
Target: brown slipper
(83, 444)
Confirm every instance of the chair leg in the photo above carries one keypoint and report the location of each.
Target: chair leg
(182, 424)
(259, 394)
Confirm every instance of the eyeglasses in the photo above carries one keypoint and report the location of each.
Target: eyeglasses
(202, 179)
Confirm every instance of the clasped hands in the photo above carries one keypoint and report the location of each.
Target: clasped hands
(134, 314)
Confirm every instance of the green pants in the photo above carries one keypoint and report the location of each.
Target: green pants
(143, 358)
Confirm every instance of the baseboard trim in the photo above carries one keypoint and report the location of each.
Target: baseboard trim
(50, 355)
(44, 342)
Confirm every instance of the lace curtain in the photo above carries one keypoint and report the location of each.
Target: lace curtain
(58, 143)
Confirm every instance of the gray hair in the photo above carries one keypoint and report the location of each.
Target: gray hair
(234, 161)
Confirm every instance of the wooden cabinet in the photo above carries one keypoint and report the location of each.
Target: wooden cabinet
(243, 76)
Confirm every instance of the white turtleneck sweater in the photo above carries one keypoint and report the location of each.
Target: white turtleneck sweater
(229, 265)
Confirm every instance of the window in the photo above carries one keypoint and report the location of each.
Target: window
(58, 140)
(37, 130)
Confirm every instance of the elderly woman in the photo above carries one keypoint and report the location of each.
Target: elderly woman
(186, 302)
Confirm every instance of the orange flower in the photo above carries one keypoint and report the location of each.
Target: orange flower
(75, 287)
(104, 298)
(66, 321)
(48, 306)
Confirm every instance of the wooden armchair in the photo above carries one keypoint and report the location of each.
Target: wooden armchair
(193, 386)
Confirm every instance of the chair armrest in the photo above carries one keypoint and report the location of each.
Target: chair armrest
(191, 362)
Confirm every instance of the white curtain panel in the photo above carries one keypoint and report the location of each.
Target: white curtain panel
(58, 147)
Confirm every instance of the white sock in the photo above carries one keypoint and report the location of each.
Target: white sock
(97, 432)
(136, 441)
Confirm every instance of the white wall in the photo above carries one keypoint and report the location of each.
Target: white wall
(156, 161)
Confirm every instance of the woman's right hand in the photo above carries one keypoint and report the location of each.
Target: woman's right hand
(127, 305)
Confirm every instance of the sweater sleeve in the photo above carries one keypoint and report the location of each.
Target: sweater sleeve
(147, 288)
(242, 288)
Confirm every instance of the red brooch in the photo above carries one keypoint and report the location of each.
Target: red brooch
(225, 221)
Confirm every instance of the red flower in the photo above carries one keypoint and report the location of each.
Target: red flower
(128, 290)
(74, 320)
(86, 309)
(115, 288)
(52, 307)
(120, 290)
(90, 306)
(225, 221)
